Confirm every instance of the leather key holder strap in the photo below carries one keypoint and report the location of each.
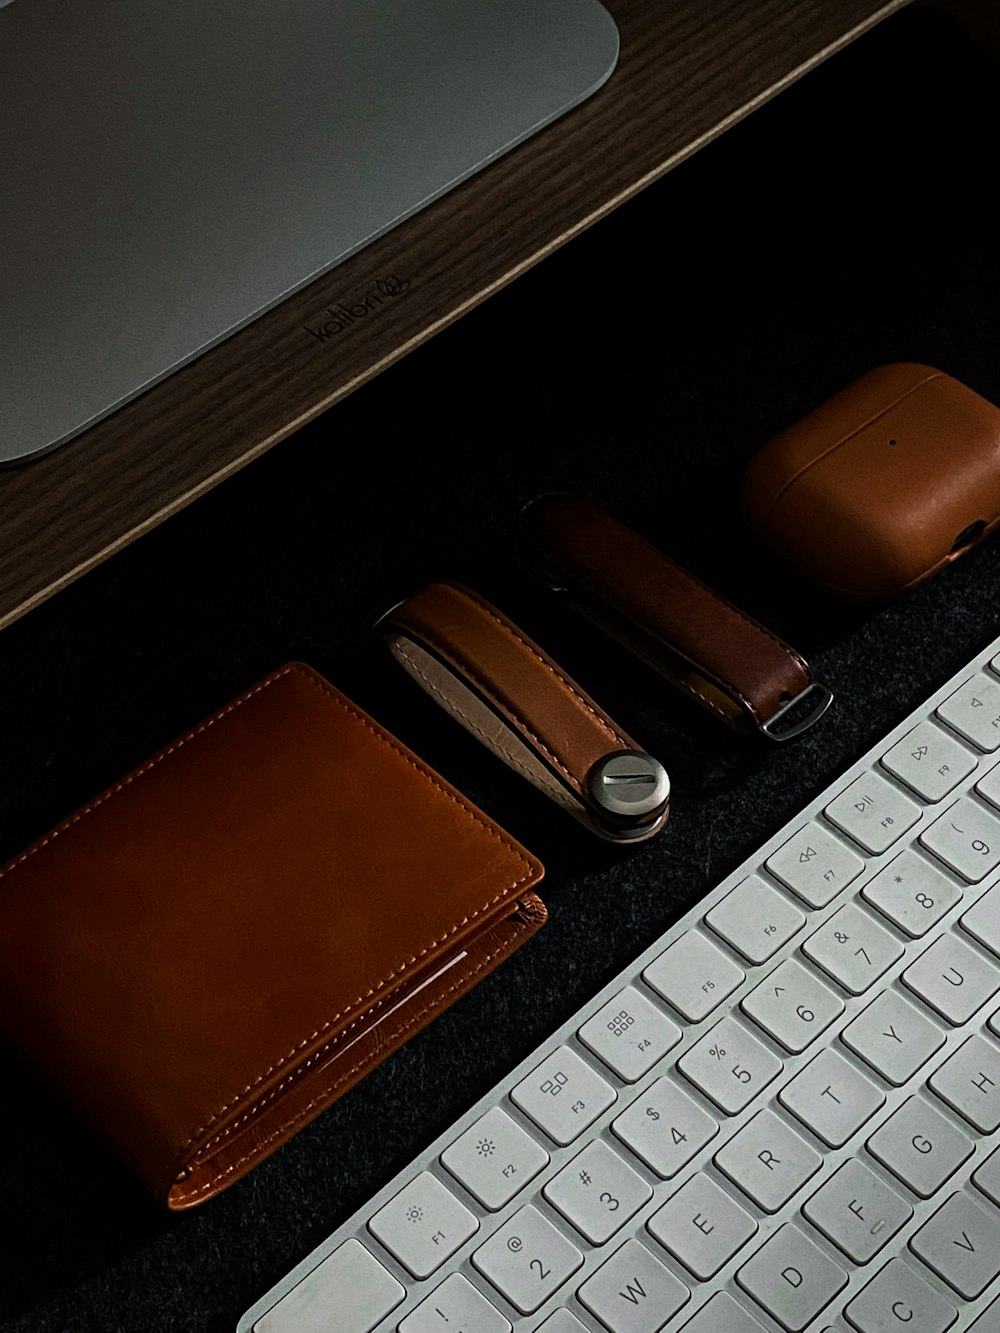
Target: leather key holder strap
(515, 699)
(703, 644)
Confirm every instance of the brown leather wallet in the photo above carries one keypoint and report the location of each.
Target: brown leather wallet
(704, 645)
(209, 953)
(523, 706)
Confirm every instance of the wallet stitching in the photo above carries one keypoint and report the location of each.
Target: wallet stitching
(434, 943)
(452, 707)
(318, 1032)
(384, 737)
(305, 1112)
(293, 1074)
(330, 1049)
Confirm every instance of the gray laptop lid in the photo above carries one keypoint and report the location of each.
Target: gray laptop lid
(171, 168)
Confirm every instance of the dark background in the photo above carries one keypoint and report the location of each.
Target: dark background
(850, 223)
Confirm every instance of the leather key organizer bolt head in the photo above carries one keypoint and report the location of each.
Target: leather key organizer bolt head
(509, 694)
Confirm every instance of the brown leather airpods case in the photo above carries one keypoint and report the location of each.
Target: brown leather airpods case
(880, 486)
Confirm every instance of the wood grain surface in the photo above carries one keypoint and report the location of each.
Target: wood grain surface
(688, 69)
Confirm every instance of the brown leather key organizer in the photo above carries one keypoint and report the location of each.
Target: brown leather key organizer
(509, 694)
(704, 645)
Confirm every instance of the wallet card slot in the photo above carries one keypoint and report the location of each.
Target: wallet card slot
(253, 1130)
(215, 948)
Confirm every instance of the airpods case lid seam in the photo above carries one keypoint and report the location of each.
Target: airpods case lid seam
(880, 486)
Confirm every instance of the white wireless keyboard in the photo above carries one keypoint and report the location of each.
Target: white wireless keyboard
(782, 1117)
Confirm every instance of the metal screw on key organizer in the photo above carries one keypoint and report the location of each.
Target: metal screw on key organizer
(628, 787)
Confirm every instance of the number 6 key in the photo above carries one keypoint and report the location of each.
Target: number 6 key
(793, 1006)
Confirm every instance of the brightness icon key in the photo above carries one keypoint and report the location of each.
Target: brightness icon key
(423, 1225)
(494, 1159)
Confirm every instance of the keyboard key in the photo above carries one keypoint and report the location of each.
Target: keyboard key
(811, 1181)
(721, 1314)
(912, 893)
(929, 761)
(694, 976)
(597, 1192)
(562, 1322)
(563, 1095)
(920, 1146)
(974, 712)
(899, 1298)
(983, 920)
(755, 919)
(967, 838)
(350, 1281)
(853, 948)
(832, 1097)
(768, 1160)
(815, 865)
(633, 1292)
(953, 979)
(527, 1259)
(793, 1006)
(457, 1304)
(987, 1178)
(702, 1226)
(894, 1037)
(423, 1225)
(791, 1278)
(989, 787)
(873, 812)
(989, 1321)
(730, 1066)
(961, 1242)
(665, 1127)
(970, 1083)
(858, 1211)
(494, 1158)
(630, 1034)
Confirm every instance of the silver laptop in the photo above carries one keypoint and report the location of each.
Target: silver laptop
(169, 169)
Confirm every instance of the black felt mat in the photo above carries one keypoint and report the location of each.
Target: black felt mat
(849, 223)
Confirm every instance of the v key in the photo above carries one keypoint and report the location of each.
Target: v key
(961, 1242)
